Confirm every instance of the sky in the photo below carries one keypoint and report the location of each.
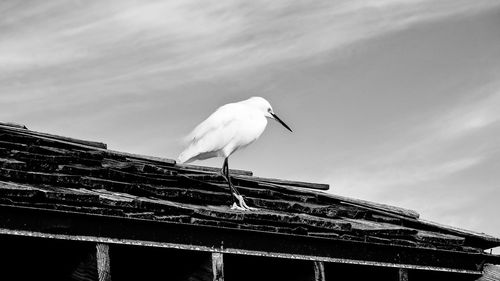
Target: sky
(393, 101)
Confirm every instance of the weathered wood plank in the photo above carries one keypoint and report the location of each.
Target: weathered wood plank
(439, 238)
(218, 266)
(47, 150)
(488, 240)
(147, 158)
(14, 125)
(137, 178)
(68, 208)
(282, 182)
(38, 177)
(297, 220)
(111, 199)
(379, 228)
(319, 271)
(199, 184)
(177, 218)
(13, 145)
(111, 185)
(191, 196)
(45, 136)
(84, 144)
(164, 206)
(221, 213)
(103, 262)
(309, 185)
(11, 191)
(328, 198)
(376, 206)
(403, 274)
(187, 168)
(49, 158)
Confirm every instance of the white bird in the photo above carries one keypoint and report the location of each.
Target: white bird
(231, 127)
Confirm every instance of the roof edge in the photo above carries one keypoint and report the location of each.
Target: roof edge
(14, 125)
(21, 129)
(464, 232)
(213, 249)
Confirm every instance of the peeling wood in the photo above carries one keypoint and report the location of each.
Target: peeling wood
(45, 136)
(103, 262)
(439, 238)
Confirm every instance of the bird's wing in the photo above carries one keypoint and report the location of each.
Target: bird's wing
(217, 120)
(211, 135)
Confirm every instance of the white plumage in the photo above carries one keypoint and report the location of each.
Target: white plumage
(231, 127)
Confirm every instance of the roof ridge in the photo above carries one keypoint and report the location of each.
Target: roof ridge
(309, 185)
(21, 129)
(99, 146)
(14, 125)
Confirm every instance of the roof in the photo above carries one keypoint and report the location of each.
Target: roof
(58, 175)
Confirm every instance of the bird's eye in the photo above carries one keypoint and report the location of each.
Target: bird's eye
(269, 110)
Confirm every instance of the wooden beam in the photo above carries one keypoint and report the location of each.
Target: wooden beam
(36, 222)
(319, 271)
(15, 125)
(218, 267)
(103, 262)
(403, 274)
(299, 184)
(77, 142)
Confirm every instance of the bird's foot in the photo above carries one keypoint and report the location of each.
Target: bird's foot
(241, 204)
(237, 207)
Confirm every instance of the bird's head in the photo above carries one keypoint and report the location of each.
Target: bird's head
(265, 107)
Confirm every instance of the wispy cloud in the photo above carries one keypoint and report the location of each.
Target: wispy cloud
(429, 152)
(205, 38)
(473, 113)
(57, 53)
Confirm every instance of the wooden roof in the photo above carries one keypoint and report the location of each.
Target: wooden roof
(60, 174)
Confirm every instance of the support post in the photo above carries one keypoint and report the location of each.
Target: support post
(319, 271)
(103, 262)
(403, 274)
(218, 267)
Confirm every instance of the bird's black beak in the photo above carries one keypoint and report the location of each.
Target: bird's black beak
(280, 121)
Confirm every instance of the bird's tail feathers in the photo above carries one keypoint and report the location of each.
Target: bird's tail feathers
(183, 158)
(187, 154)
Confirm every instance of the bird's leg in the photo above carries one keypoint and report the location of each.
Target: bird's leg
(225, 173)
(238, 200)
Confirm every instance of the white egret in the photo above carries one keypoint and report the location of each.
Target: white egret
(231, 127)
